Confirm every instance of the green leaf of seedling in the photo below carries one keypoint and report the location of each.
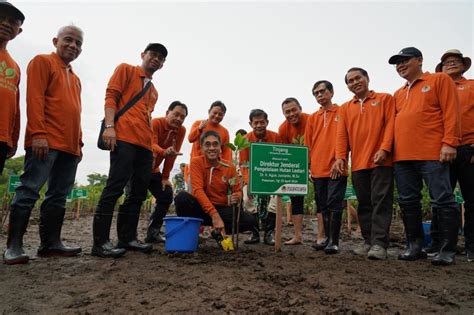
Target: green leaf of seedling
(231, 146)
(233, 180)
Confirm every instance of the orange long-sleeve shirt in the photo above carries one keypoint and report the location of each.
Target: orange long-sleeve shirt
(164, 137)
(365, 128)
(244, 158)
(289, 132)
(9, 99)
(320, 137)
(427, 116)
(135, 125)
(210, 185)
(53, 102)
(465, 90)
(195, 134)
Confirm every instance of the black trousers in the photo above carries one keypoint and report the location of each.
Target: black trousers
(127, 162)
(297, 205)
(188, 206)
(164, 198)
(3, 155)
(462, 171)
(329, 193)
(374, 190)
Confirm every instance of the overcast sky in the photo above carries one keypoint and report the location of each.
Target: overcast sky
(246, 54)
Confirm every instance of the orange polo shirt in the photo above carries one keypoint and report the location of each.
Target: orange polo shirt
(428, 116)
(288, 132)
(195, 134)
(9, 99)
(134, 126)
(244, 158)
(465, 90)
(164, 137)
(366, 128)
(210, 185)
(320, 137)
(53, 103)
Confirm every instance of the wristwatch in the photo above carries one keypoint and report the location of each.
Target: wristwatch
(109, 126)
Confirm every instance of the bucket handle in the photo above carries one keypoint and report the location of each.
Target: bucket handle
(177, 228)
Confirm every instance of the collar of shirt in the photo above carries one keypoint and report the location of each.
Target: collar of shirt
(61, 63)
(371, 94)
(423, 77)
(321, 110)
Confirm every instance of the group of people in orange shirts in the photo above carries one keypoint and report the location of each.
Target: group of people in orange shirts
(424, 132)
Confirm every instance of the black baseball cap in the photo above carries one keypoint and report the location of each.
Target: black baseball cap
(405, 53)
(158, 48)
(11, 10)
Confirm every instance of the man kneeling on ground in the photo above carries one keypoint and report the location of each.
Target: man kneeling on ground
(211, 179)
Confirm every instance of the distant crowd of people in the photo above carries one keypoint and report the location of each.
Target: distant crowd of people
(423, 132)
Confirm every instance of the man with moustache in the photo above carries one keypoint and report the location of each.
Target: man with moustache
(366, 129)
(130, 142)
(53, 144)
(427, 132)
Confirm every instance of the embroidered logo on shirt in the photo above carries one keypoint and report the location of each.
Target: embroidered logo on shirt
(425, 89)
(375, 103)
(461, 87)
(224, 179)
(337, 118)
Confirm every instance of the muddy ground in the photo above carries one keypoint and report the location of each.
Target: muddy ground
(253, 279)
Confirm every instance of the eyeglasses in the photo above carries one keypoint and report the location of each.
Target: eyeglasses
(318, 92)
(452, 62)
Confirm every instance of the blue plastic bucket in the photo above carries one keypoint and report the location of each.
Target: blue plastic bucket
(426, 231)
(182, 234)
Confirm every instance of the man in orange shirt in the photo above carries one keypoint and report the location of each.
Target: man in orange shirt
(130, 140)
(53, 144)
(366, 129)
(212, 178)
(11, 20)
(292, 131)
(455, 65)
(213, 122)
(320, 137)
(258, 120)
(168, 136)
(427, 132)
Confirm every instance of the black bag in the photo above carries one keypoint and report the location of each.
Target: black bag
(100, 142)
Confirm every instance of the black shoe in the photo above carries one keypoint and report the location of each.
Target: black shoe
(334, 232)
(136, 246)
(268, 238)
(320, 246)
(413, 252)
(154, 236)
(470, 255)
(432, 249)
(412, 220)
(254, 238)
(51, 222)
(107, 250)
(14, 253)
(269, 229)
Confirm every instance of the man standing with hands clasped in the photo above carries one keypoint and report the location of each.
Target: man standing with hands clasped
(130, 142)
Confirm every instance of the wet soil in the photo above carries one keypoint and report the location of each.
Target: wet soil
(253, 279)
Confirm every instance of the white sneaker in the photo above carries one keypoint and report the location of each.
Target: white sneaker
(377, 252)
(362, 250)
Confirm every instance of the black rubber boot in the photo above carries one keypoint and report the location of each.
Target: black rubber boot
(127, 223)
(51, 223)
(469, 233)
(412, 221)
(433, 248)
(14, 254)
(334, 231)
(269, 229)
(254, 238)
(323, 245)
(153, 233)
(102, 245)
(448, 228)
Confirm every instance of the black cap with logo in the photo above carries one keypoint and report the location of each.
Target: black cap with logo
(405, 53)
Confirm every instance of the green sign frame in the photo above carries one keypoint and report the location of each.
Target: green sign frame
(278, 169)
(78, 194)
